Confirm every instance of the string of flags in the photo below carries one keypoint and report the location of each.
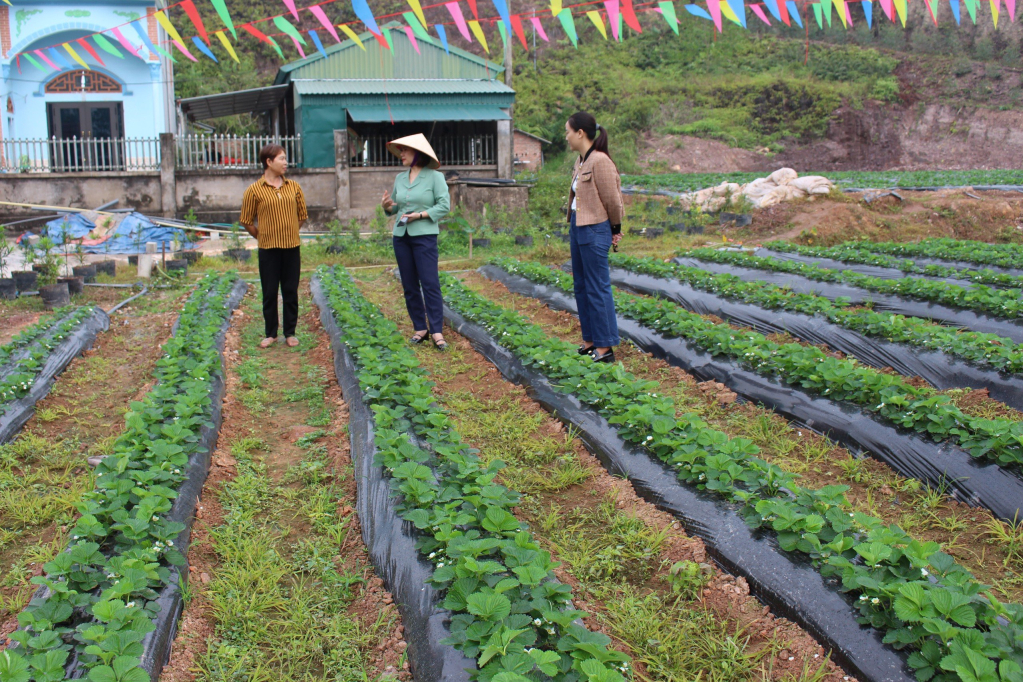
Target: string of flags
(606, 16)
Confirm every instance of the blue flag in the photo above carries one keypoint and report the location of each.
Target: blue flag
(443, 37)
(794, 12)
(365, 15)
(205, 50)
(317, 43)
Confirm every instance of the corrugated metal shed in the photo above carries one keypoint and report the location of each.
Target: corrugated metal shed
(395, 86)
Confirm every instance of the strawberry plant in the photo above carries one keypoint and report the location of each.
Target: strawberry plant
(873, 561)
(509, 613)
(982, 253)
(979, 298)
(808, 367)
(100, 596)
(858, 252)
(689, 182)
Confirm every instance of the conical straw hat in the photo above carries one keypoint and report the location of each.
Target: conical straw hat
(417, 142)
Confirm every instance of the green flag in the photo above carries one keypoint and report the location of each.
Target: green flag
(224, 15)
(106, 45)
(568, 23)
(289, 30)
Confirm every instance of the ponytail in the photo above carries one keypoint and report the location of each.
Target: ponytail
(593, 130)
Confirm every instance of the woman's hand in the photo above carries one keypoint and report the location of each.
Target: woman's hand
(615, 238)
(386, 202)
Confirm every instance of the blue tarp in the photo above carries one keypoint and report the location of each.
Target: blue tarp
(130, 236)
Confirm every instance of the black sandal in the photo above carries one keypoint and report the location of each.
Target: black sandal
(441, 345)
(416, 338)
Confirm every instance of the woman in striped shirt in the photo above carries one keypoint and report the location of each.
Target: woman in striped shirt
(273, 210)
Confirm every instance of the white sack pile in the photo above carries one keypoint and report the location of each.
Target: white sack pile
(782, 185)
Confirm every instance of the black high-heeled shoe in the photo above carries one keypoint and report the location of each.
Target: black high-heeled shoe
(608, 357)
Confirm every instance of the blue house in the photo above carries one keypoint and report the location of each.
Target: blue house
(130, 96)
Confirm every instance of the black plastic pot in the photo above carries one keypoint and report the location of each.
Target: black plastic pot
(238, 254)
(738, 219)
(75, 285)
(335, 248)
(673, 210)
(654, 232)
(7, 289)
(55, 295)
(37, 267)
(652, 204)
(133, 260)
(481, 243)
(636, 230)
(25, 280)
(86, 272)
(177, 265)
(192, 257)
(106, 267)
(524, 240)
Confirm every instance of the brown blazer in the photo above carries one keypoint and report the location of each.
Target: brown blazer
(599, 191)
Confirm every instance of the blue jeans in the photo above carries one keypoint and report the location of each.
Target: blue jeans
(417, 265)
(590, 245)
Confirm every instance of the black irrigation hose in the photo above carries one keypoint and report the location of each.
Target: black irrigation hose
(955, 317)
(128, 300)
(940, 370)
(940, 465)
(20, 411)
(390, 541)
(790, 585)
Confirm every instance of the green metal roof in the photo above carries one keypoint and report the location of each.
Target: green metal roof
(396, 86)
(347, 59)
(376, 113)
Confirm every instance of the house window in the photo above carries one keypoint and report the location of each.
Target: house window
(82, 81)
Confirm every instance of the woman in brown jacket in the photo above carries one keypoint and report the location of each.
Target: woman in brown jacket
(595, 219)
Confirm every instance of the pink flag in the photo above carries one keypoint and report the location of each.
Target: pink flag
(290, 4)
(456, 13)
(886, 5)
(412, 38)
(1011, 6)
(715, 12)
(848, 16)
(539, 28)
(612, 16)
(322, 18)
(46, 59)
(124, 41)
(298, 45)
(759, 12)
(182, 50)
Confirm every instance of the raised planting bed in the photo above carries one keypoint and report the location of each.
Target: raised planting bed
(499, 605)
(910, 591)
(846, 288)
(944, 356)
(856, 256)
(33, 359)
(963, 251)
(107, 607)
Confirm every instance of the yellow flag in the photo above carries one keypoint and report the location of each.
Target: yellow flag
(994, 13)
(900, 8)
(841, 12)
(227, 45)
(352, 34)
(555, 7)
(169, 27)
(74, 55)
(418, 9)
(478, 32)
(594, 16)
(728, 13)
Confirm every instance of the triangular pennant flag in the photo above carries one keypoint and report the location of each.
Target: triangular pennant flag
(629, 14)
(868, 12)
(826, 10)
(316, 41)
(932, 5)
(201, 46)
(193, 15)
(783, 11)
(793, 10)
(668, 10)
(412, 38)
(502, 11)
(47, 60)
(275, 46)
(290, 4)
(954, 6)
(994, 13)
(106, 45)
(32, 60)
(386, 35)
(516, 22)
(738, 8)
(971, 9)
(384, 42)
(1011, 6)
(225, 16)
(227, 45)
(443, 34)
(594, 16)
(153, 49)
(843, 12)
(817, 12)
(772, 7)
(474, 10)
(365, 15)
(568, 23)
(288, 29)
(613, 13)
(729, 13)
(173, 33)
(538, 27)
(456, 13)
(59, 58)
(124, 42)
(352, 34)
(88, 48)
(321, 17)
(418, 9)
(503, 32)
(888, 9)
(900, 9)
(417, 28)
(759, 12)
(478, 32)
(298, 46)
(714, 7)
(555, 7)
(698, 11)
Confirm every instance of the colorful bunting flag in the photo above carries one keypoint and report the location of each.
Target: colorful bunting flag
(225, 16)
(124, 42)
(59, 58)
(826, 11)
(698, 11)
(629, 14)
(538, 27)
(275, 46)
(290, 4)
(227, 45)
(386, 35)
(900, 9)
(47, 60)
(456, 13)
(298, 46)
(739, 10)
(33, 61)
(106, 45)
(868, 12)
(478, 32)
(365, 15)
(88, 48)
(321, 17)
(259, 35)
(418, 10)
(555, 7)
(932, 5)
(594, 16)
(954, 6)
(728, 13)
(613, 15)
(443, 34)
(843, 13)
(714, 7)
(474, 10)
(817, 12)
(971, 9)
(668, 11)
(772, 7)
(1011, 6)
(74, 55)
(994, 13)
(316, 41)
(384, 42)
(516, 22)
(353, 35)
(193, 15)
(161, 17)
(202, 47)
(184, 50)
(793, 11)
(568, 23)
(888, 9)
(412, 38)
(503, 32)
(760, 13)
(502, 11)
(418, 29)
(288, 29)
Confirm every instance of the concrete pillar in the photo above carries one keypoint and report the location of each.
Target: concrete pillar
(344, 192)
(168, 185)
(504, 149)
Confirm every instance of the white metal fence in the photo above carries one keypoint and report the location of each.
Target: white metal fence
(79, 155)
(454, 150)
(206, 152)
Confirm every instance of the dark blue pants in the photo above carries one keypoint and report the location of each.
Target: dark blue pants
(417, 264)
(590, 245)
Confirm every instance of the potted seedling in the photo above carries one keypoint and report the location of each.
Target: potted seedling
(107, 266)
(7, 288)
(137, 243)
(87, 272)
(25, 280)
(55, 293)
(235, 251)
(191, 236)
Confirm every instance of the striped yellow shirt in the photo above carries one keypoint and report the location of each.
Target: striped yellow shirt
(277, 213)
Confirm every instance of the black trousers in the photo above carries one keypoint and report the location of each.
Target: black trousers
(417, 264)
(280, 269)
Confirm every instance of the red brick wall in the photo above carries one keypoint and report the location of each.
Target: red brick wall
(527, 152)
(154, 35)
(5, 30)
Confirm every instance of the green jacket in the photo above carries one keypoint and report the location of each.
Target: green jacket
(428, 193)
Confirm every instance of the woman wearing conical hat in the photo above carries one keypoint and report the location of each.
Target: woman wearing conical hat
(420, 200)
